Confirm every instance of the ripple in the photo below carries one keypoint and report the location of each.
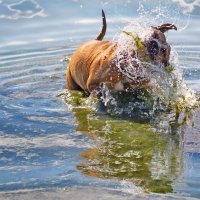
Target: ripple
(32, 69)
(21, 9)
(37, 54)
(51, 140)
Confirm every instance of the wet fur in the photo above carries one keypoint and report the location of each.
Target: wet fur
(93, 64)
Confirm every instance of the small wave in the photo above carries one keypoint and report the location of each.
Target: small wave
(52, 140)
(21, 9)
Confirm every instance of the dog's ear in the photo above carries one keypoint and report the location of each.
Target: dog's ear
(165, 27)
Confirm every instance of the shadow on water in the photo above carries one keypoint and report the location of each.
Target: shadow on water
(126, 150)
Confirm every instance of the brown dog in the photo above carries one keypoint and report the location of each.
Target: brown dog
(95, 63)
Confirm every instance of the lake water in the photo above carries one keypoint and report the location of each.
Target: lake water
(47, 146)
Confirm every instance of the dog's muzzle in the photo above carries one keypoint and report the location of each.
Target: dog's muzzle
(153, 48)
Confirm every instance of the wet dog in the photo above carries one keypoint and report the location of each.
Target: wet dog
(95, 63)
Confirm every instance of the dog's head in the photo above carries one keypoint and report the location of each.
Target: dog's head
(150, 47)
(155, 46)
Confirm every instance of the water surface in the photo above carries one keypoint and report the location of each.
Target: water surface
(44, 144)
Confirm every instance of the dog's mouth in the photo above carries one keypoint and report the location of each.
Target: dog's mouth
(166, 64)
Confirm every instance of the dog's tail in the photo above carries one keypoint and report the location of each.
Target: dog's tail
(103, 30)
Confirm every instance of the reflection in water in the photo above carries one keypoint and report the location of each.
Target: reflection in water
(127, 150)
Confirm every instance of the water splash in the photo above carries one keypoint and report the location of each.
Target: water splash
(188, 6)
(168, 91)
(159, 12)
(167, 100)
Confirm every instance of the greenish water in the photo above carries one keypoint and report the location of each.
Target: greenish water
(125, 149)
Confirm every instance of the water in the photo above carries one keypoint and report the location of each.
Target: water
(47, 143)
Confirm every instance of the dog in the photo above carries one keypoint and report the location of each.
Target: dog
(95, 63)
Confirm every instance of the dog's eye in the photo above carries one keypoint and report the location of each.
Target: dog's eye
(153, 47)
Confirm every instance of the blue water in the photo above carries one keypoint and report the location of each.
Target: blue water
(40, 144)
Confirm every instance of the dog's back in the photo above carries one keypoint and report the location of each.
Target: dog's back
(94, 64)
(88, 57)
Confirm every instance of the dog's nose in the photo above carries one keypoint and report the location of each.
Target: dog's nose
(166, 64)
(163, 51)
(153, 48)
